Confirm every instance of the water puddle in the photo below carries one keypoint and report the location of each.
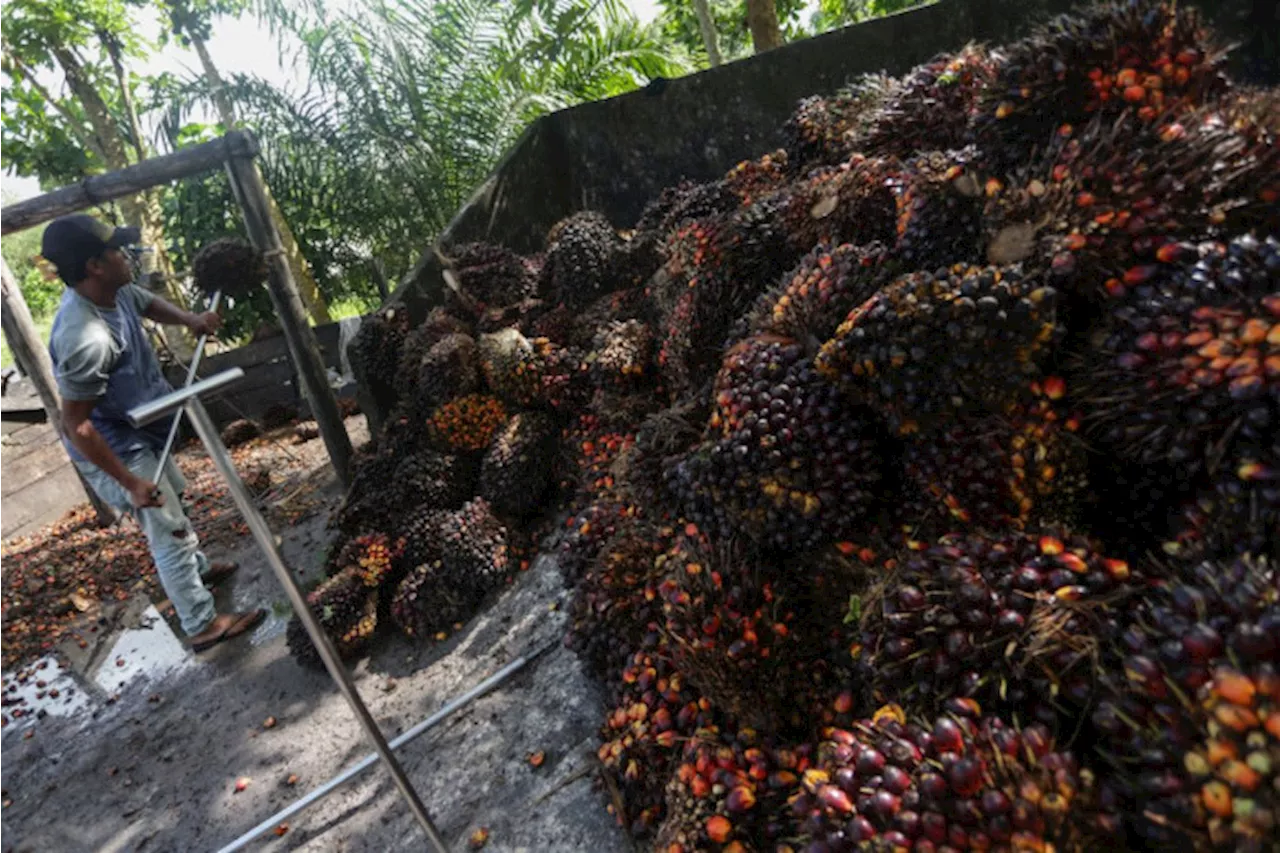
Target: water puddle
(149, 650)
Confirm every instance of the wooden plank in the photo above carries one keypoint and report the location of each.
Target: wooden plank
(206, 157)
(31, 436)
(41, 503)
(26, 469)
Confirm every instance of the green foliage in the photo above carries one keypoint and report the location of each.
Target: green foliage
(40, 291)
(838, 13)
(680, 25)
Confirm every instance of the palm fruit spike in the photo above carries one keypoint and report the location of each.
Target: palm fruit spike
(516, 468)
(1012, 620)
(615, 604)
(825, 131)
(1188, 715)
(1106, 200)
(420, 529)
(620, 354)
(812, 299)
(849, 203)
(788, 461)
(580, 259)
(1190, 360)
(449, 369)
(930, 107)
(374, 353)
(430, 478)
(959, 781)
(467, 424)
(229, 265)
(347, 610)
(426, 604)
(413, 354)
(939, 203)
(493, 275)
(653, 712)
(753, 179)
(731, 787)
(1021, 466)
(931, 345)
(1149, 56)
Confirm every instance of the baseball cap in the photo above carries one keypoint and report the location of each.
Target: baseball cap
(69, 241)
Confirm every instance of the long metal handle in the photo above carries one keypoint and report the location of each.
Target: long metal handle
(191, 375)
(266, 541)
(369, 760)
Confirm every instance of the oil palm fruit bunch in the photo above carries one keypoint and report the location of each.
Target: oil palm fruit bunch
(756, 250)
(929, 346)
(594, 450)
(788, 460)
(347, 610)
(375, 557)
(449, 369)
(240, 431)
(427, 477)
(427, 602)
(1109, 200)
(230, 265)
(620, 354)
(492, 275)
(365, 506)
(939, 202)
(848, 203)
(660, 439)
(1014, 620)
(580, 259)
(438, 325)
(616, 603)
(420, 528)
(403, 432)
(519, 314)
(532, 372)
(1150, 56)
(740, 639)
(1239, 512)
(467, 424)
(653, 711)
(729, 792)
(812, 299)
(374, 353)
(752, 180)
(632, 303)
(517, 466)
(1190, 359)
(930, 108)
(959, 781)
(473, 546)
(589, 528)
(680, 203)
(1021, 466)
(1188, 715)
(826, 130)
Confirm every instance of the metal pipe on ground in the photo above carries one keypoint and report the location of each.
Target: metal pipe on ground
(267, 826)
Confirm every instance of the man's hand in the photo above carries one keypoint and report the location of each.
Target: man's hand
(143, 493)
(205, 324)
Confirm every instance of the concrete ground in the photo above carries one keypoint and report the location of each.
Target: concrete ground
(145, 744)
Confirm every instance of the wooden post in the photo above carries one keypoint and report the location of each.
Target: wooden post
(33, 360)
(304, 349)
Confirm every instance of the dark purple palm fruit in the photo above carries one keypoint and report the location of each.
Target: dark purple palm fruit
(229, 265)
(580, 259)
(932, 345)
(752, 180)
(374, 354)
(426, 605)
(493, 275)
(418, 343)
(1189, 717)
(1152, 58)
(849, 203)
(825, 130)
(347, 609)
(1015, 621)
(517, 467)
(364, 507)
(939, 202)
(428, 478)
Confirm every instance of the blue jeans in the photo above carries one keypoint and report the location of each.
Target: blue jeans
(174, 546)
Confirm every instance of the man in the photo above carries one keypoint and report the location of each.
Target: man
(105, 366)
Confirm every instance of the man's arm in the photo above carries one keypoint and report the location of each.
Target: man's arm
(162, 311)
(85, 438)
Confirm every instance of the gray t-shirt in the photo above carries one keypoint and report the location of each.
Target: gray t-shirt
(103, 354)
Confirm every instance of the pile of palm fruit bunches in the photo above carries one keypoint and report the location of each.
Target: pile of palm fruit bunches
(919, 483)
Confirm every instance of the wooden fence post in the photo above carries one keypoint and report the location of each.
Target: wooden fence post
(33, 360)
(304, 349)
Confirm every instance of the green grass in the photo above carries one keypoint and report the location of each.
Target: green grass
(351, 306)
(43, 324)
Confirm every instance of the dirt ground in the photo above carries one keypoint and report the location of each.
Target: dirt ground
(147, 743)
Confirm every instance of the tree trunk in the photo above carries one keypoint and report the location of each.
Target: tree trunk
(708, 27)
(312, 298)
(762, 20)
(141, 209)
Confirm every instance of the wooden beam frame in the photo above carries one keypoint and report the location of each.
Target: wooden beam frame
(235, 152)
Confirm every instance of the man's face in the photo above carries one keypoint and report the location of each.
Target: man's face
(112, 269)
